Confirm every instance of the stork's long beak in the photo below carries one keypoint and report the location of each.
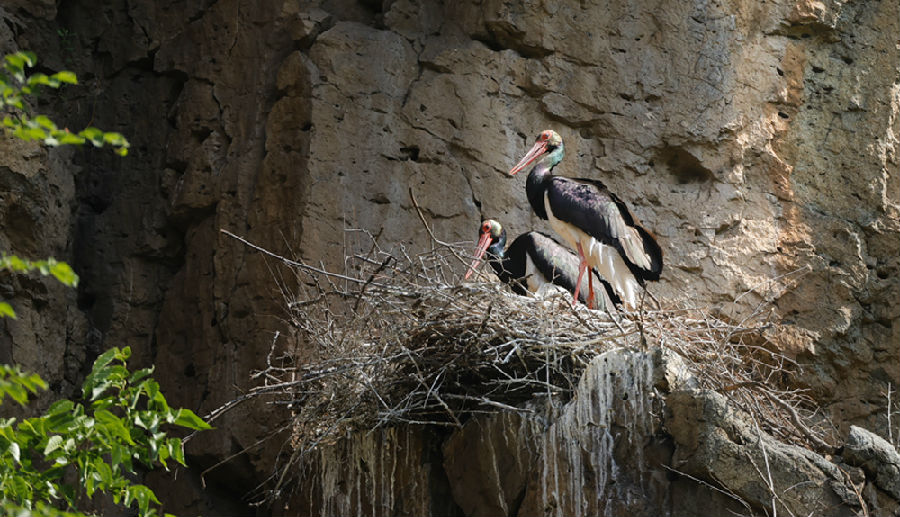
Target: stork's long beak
(483, 242)
(539, 148)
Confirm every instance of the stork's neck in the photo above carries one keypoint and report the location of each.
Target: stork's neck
(496, 254)
(539, 177)
(536, 185)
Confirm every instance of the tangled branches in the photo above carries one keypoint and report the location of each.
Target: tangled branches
(397, 338)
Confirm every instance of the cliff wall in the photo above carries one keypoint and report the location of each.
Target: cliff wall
(757, 140)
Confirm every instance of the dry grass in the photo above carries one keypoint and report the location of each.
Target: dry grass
(397, 338)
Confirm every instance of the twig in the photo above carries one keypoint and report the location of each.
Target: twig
(294, 263)
(768, 477)
(727, 493)
(412, 197)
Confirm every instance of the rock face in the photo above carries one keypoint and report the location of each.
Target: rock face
(758, 141)
(876, 457)
(714, 441)
(614, 449)
(587, 458)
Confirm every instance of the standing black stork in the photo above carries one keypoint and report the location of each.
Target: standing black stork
(533, 260)
(592, 219)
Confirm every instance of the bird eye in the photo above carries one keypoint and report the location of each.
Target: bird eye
(545, 135)
(485, 227)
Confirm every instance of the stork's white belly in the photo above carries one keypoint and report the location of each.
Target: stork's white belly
(605, 259)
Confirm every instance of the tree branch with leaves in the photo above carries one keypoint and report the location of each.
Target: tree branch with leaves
(16, 84)
(54, 464)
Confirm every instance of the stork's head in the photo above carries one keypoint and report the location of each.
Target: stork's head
(491, 236)
(547, 148)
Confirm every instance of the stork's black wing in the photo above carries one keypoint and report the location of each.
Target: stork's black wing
(591, 207)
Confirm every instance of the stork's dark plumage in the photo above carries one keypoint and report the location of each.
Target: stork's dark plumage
(592, 219)
(532, 260)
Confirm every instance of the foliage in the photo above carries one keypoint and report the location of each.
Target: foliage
(60, 270)
(76, 450)
(16, 83)
(119, 427)
(16, 383)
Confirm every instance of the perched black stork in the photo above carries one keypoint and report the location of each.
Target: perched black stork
(593, 220)
(533, 260)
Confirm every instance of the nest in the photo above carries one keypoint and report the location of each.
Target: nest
(398, 338)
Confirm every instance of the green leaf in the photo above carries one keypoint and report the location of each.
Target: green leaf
(63, 272)
(187, 418)
(6, 311)
(30, 57)
(158, 403)
(164, 454)
(36, 79)
(143, 495)
(66, 138)
(60, 406)
(113, 138)
(16, 384)
(45, 122)
(52, 444)
(32, 133)
(90, 483)
(33, 382)
(176, 450)
(120, 456)
(17, 393)
(141, 374)
(16, 61)
(105, 358)
(113, 425)
(65, 76)
(18, 264)
(93, 134)
(148, 420)
(151, 388)
(15, 452)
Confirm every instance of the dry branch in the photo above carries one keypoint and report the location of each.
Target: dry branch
(397, 338)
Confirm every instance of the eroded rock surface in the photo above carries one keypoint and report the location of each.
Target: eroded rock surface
(624, 445)
(758, 141)
(717, 442)
(878, 458)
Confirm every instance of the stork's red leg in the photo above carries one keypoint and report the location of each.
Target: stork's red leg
(582, 266)
(590, 290)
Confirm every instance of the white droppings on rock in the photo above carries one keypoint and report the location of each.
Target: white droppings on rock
(611, 403)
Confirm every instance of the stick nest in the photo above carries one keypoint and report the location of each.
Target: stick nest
(398, 338)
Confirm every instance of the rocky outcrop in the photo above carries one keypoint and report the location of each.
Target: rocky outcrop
(630, 442)
(876, 457)
(584, 458)
(757, 140)
(716, 442)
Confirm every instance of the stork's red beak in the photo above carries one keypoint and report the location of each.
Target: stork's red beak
(539, 148)
(483, 242)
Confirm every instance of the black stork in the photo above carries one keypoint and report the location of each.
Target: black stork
(533, 260)
(592, 219)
